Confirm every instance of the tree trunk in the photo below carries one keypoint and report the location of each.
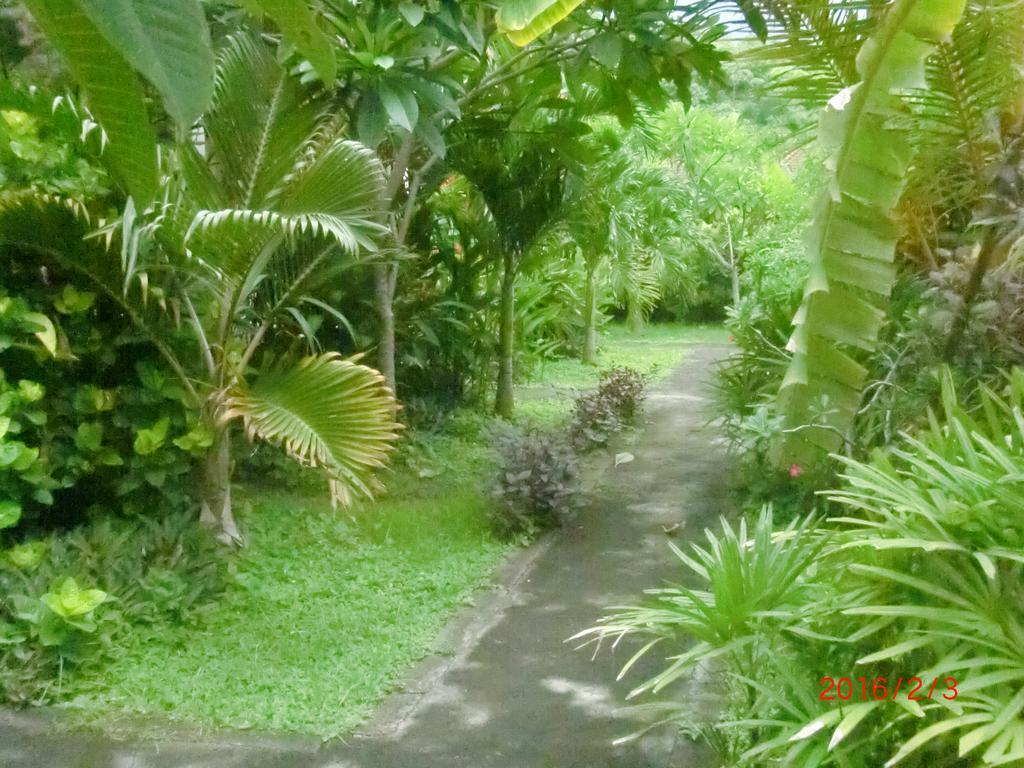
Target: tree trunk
(734, 267)
(590, 319)
(634, 315)
(984, 258)
(504, 399)
(383, 298)
(216, 489)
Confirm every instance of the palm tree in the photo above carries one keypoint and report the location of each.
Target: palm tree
(261, 208)
(516, 158)
(623, 211)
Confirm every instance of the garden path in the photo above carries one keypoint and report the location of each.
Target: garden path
(505, 690)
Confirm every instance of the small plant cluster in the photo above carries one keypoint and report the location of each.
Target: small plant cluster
(538, 479)
(64, 598)
(537, 484)
(616, 403)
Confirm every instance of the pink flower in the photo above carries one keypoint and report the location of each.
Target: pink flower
(795, 470)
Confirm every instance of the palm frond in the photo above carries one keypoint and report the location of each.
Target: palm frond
(972, 80)
(814, 45)
(259, 123)
(326, 412)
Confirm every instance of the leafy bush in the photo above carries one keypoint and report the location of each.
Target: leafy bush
(615, 403)
(538, 482)
(152, 571)
(40, 635)
(87, 415)
(594, 421)
(922, 580)
(624, 388)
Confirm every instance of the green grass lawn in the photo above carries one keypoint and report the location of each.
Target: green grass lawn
(655, 352)
(330, 608)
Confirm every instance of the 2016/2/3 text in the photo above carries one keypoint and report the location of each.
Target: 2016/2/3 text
(879, 688)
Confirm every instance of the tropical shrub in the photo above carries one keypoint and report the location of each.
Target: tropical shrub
(156, 572)
(246, 236)
(594, 420)
(40, 633)
(616, 403)
(920, 579)
(537, 486)
(91, 418)
(624, 389)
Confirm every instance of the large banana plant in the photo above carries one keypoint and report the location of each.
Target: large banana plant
(261, 208)
(851, 244)
(525, 20)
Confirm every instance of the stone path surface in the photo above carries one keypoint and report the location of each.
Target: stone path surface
(509, 692)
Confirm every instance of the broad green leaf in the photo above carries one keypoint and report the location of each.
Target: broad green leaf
(25, 608)
(299, 27)
(168, 42)
(400, 104)
(71, 301)
(31, 392)
(113, 92)
(432, 138)
(371, 120)
(89, 436)
(523, 21)
(149, 440)
(27, 555)
(197, 439)
(852, 240)
(411, 12)
(71, 601)
(46, 332)
(607, 49)
(10, 514)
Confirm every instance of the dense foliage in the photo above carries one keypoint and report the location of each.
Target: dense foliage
(285, 219)
(891, 563)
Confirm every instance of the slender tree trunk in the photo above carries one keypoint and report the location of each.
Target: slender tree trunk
(734, 268)
(504, 399)
(383, 299)
(634, 315)
(216, 489)
(983, 260)
(590, 318)
(385, 276)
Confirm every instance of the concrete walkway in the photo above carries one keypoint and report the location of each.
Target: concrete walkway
(509, 692)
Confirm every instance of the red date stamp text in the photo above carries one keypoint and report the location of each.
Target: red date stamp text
(881, 688)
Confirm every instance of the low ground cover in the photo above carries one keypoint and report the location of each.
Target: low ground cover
(327, 611)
